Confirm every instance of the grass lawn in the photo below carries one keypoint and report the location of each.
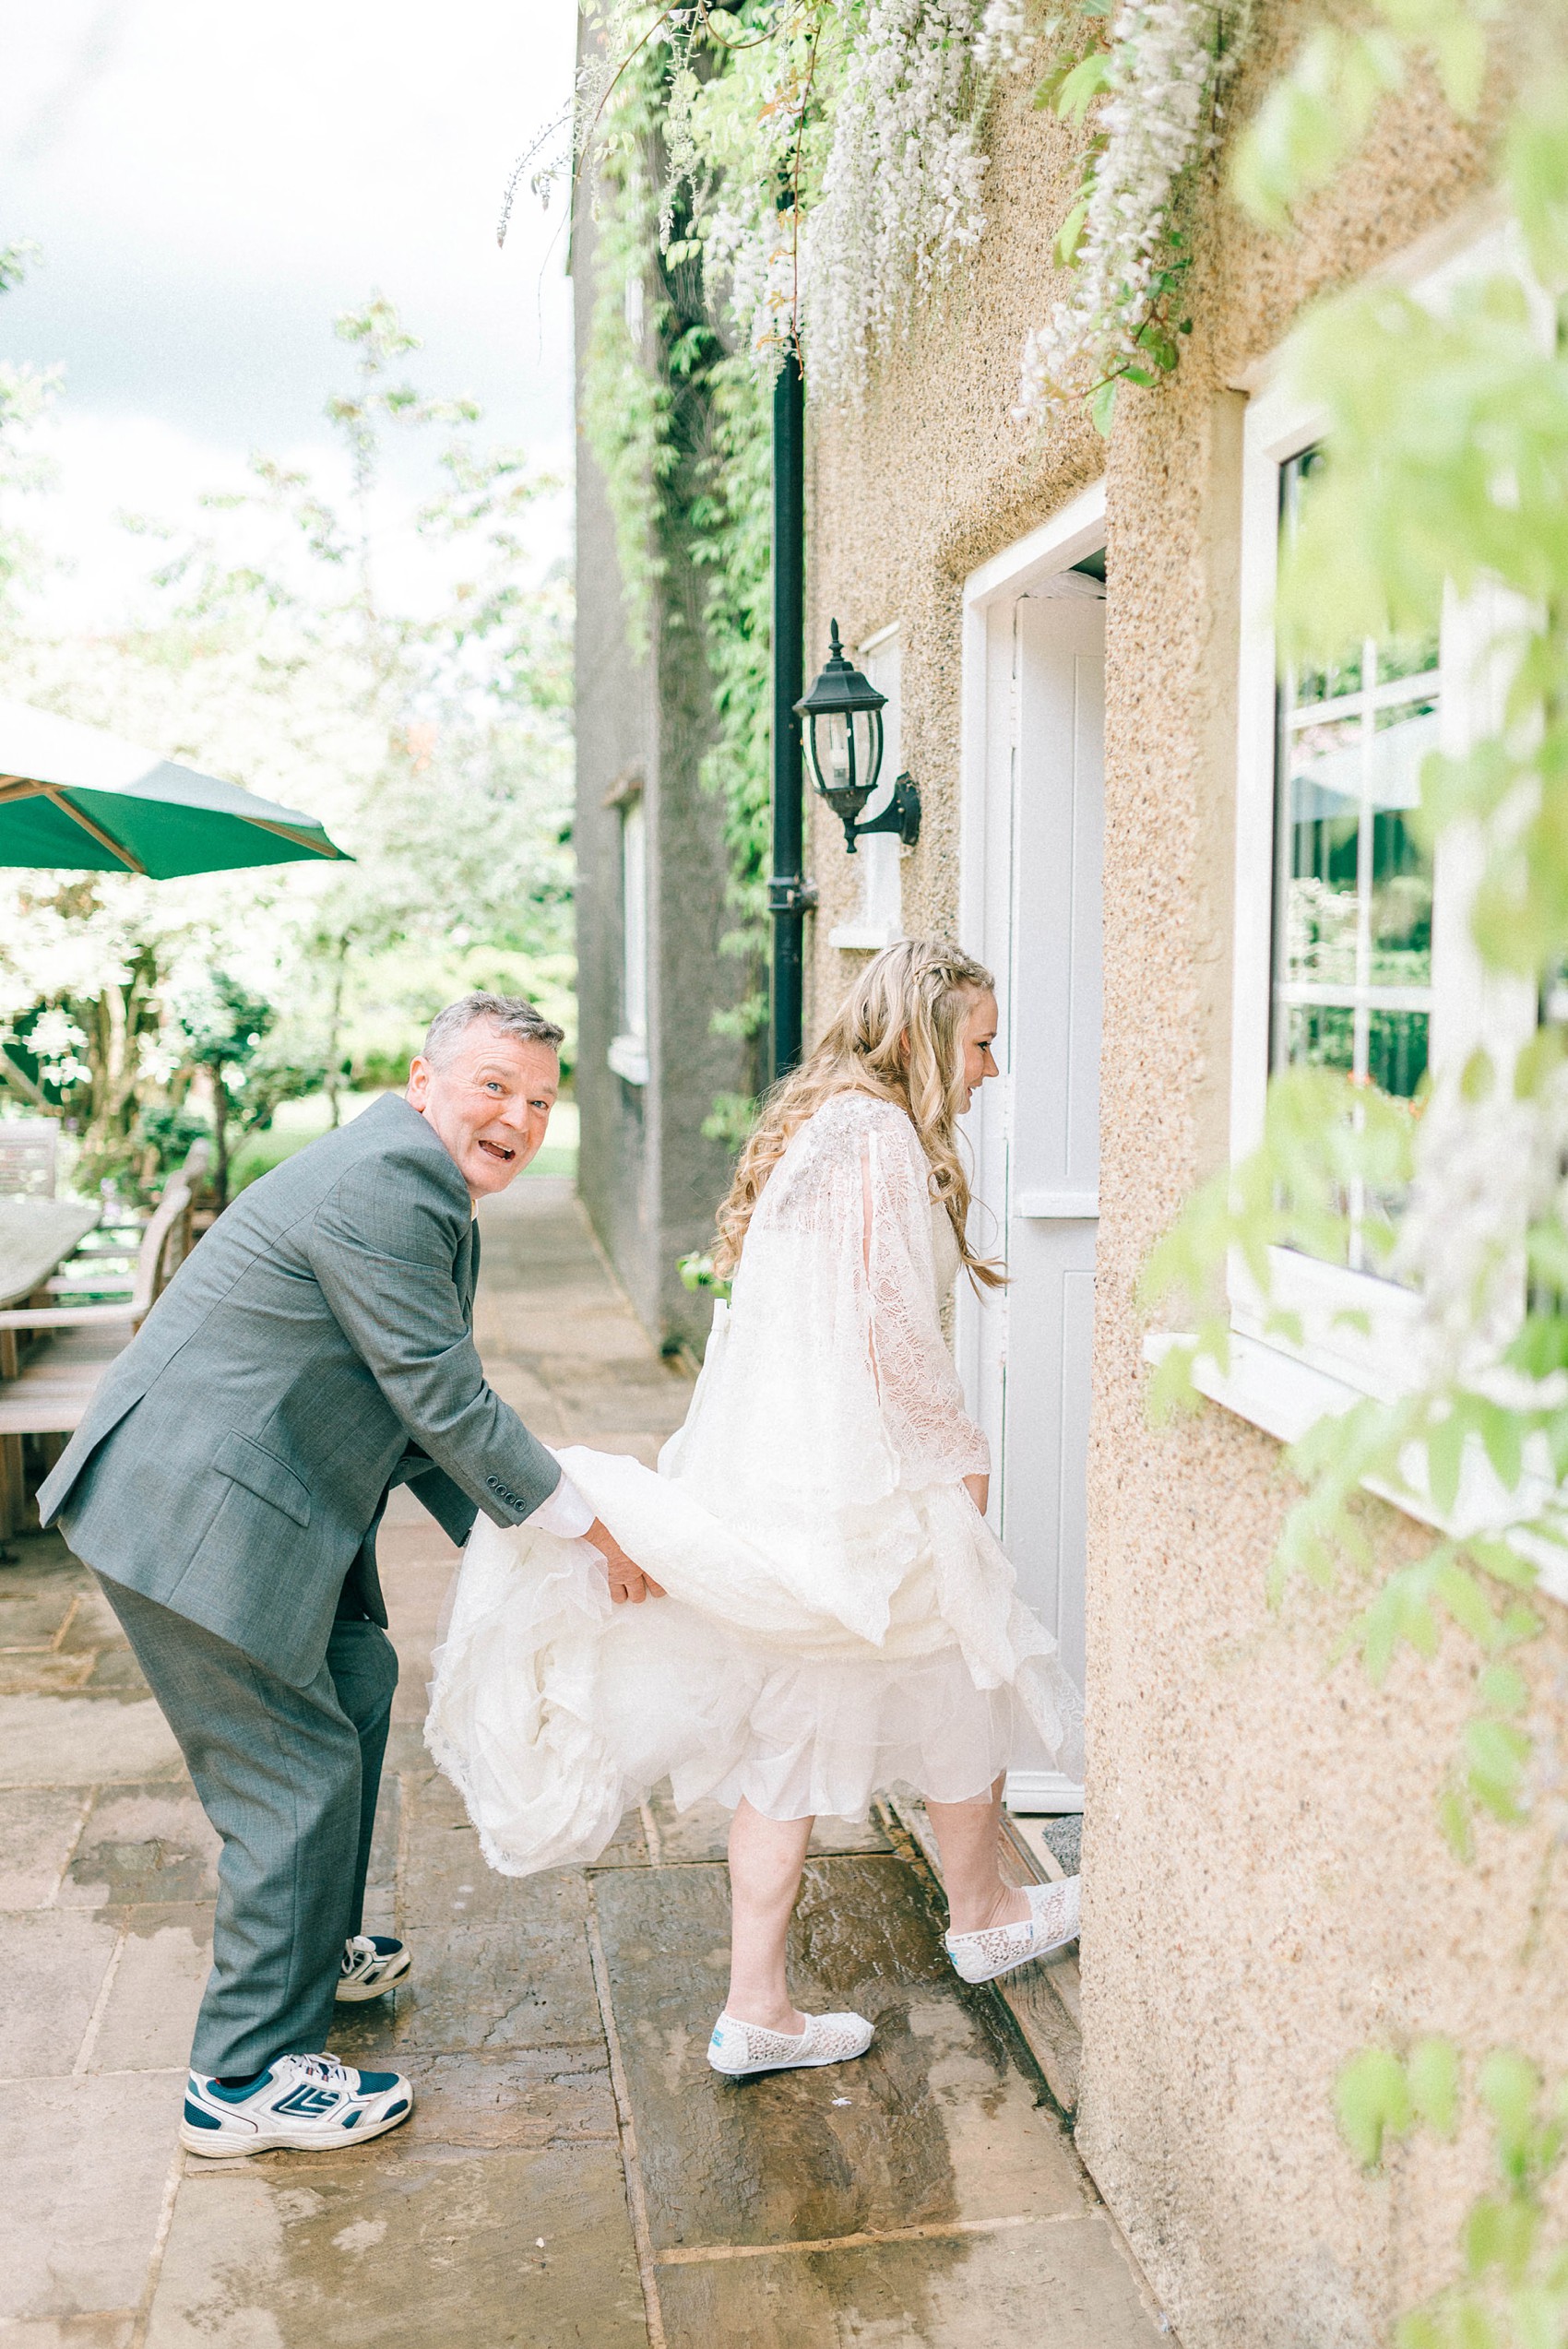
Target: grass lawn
(298, 1122)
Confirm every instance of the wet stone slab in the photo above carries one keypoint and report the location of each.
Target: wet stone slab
(937, 2123)
(39, 1827)
(38, 1599)
(83, 1740)
(408, 2249)
(114, 2330)
(1062, 2282)
(448, 1881)
(529, 2098)
(525, 1983)
(87, 2161)
(142, 1844)
(162, 1962)
(54, 1964)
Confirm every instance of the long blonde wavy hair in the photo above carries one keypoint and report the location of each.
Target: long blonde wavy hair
(897, 1035)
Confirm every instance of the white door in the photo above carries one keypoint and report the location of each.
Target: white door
(1038, 1148)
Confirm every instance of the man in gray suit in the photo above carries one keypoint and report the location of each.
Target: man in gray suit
(226, 1485)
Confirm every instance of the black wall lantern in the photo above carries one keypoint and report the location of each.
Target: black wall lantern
(843, 723)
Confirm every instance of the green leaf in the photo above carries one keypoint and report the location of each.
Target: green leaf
(1446, 1454)
(1064, 250)
(1546, 1251)
(1497, 1755)
(1466, 1601)
(1311, 119)
(1371, 2100)
(1501, 2235)
(1170, 1390)
(1454, 1821)
(1432, 2070)
(1541, 1346)
(1284, 1322)
(1103, 408)
(1536, 170)
(1501, 1433)
(1502, 1689)
(1509, 2085)
(1080, 87)
(1503, 1564)
(1518, 1624)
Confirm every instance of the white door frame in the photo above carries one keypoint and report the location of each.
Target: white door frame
(1076, 532)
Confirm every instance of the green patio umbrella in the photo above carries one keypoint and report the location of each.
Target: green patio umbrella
(72, 796)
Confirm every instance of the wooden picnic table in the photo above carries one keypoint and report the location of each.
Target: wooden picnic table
(37, 1235)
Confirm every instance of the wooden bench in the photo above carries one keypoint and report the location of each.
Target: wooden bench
(51, 1357)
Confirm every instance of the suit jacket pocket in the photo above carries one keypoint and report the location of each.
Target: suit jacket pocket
(264, 1474)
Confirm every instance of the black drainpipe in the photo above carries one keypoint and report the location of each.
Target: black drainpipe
(788, 893)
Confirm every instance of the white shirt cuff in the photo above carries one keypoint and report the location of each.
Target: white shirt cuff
(566, 1512)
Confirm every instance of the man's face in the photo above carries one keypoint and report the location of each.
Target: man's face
(490, 1102)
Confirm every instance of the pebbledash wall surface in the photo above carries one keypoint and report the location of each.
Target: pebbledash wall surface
(1266, 1887)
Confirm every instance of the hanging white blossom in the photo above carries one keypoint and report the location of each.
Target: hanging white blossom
(1006, 36)
(901, 191)
(1157, 119)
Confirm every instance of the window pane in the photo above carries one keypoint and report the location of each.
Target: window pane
(1320, 1035)
(1407, 657)
(1322, 889)
(1327, 685)
(1401, 867)
(1397, 1051)
(1353, 907)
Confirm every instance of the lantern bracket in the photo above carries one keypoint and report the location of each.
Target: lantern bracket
(901, 816)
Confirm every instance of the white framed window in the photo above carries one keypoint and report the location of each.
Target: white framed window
(878, 918)
(628, 1053)
(1352, 948)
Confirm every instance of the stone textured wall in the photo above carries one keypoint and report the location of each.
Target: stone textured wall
(1266, 1887)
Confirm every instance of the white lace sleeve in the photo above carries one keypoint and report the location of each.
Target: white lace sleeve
(923, 1404)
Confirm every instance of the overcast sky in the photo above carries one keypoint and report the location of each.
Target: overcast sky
(210, 185)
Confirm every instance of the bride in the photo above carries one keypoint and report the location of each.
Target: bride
(830, 1612)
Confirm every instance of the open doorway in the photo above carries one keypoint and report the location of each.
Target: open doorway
(1032, 848)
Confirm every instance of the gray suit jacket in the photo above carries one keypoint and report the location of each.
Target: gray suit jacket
(315, 1350)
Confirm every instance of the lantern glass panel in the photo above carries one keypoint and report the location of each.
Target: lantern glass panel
(838, 748)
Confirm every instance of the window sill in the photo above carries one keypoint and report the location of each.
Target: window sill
(628, 1057)
(1286, 1398)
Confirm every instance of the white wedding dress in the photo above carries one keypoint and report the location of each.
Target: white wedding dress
(839, 1615)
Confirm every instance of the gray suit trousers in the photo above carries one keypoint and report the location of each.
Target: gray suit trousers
(289, 1777)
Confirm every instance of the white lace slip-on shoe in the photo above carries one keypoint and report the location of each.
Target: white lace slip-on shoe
(1052, 1923)
(306, 2104)
(737, 2049)
(373, 1964)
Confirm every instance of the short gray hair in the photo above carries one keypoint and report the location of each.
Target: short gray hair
(509, 1015)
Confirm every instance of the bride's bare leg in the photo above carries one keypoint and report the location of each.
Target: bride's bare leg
(765, 1860)
(969, 1837)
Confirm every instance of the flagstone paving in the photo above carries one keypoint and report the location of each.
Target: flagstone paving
(574, 2172)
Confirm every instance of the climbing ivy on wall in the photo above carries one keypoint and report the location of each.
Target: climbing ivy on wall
(679, 423)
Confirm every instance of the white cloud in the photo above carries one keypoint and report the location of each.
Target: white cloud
(212, 185)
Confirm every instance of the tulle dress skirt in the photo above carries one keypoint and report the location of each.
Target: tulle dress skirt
(554, 1710)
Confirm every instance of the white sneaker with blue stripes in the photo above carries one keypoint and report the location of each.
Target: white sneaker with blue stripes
(373, 1964)
(303, 2104)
